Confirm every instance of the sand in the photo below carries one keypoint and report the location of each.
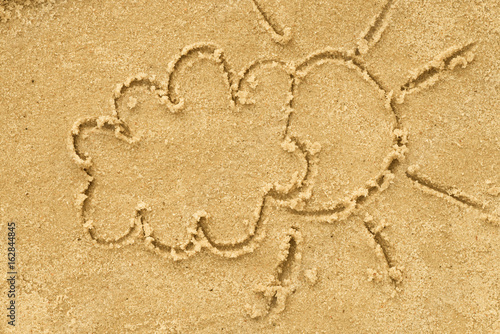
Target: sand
(250, 166)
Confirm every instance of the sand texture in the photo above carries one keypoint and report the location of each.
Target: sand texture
(250, 166)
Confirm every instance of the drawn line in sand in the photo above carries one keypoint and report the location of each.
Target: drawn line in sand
(451, 194)
(432, 72)
(279, 35)
(199, 237)
(373, 32)
(284, 281)
(384, 247)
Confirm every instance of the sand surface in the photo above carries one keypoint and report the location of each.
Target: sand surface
(241, 166)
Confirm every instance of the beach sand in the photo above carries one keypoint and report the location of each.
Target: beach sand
(241, 166)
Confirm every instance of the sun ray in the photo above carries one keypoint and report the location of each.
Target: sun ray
(279, 35)
(285, 279)
(452, 194)
(384, 248)
(429, 74)
(371, 35)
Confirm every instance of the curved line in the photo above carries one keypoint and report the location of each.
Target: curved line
(85, 163)
(122, 132)
(121, 89)
(280, 36)
(262, 61)
(345, 207)
(225, 249)
(233, 245)
(188, 51)
(327, 53)
(234, 82)
(216, 247)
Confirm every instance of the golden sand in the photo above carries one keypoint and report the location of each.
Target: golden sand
(250, 166)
